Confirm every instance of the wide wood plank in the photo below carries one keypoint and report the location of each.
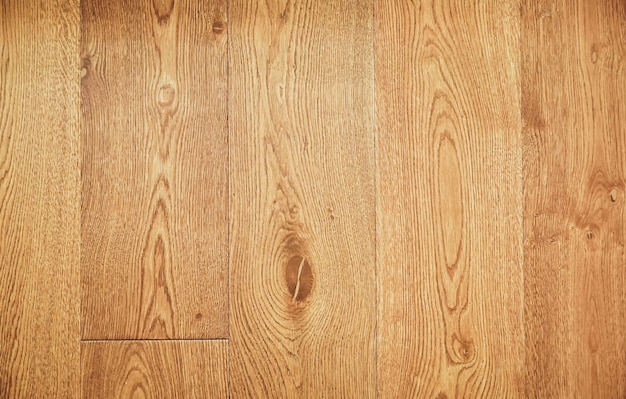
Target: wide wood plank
(39, 199)
(574, 112)
(449, 246)
(302, 205)
(155, 369)
(154, 176)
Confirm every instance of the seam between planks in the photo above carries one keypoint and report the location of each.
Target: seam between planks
(229, 193)
(376, 197)
(157, 340)
(522, 186)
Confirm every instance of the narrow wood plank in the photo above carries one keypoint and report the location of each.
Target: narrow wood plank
(155, 155)
(450, 199)
(573, 94)
(302, 205)
(154, 369)
(39, 199)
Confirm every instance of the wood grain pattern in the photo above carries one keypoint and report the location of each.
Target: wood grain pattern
(449, 199)
(155, 369)
(302, 205)
(39, 199)
(574, 81)
(154, 176)
(427, 198)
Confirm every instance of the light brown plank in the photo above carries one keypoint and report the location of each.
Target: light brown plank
(39, 199)
(302, 206)
(573, 94)
(154, 369)
(155, 155)
(449, 243)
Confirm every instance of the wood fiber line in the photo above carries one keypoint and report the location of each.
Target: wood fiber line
(154, 177)
(573, 93)
(155, 369)
(449, 249)
(39, 199)
(302, 200)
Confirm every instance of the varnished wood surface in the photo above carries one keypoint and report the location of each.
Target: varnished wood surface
(154, 169)
(450, 200)
(393, 199)
(302, 199)
(155, 369)
(574, 142)
(39, 199)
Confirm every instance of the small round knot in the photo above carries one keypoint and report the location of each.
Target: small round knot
(218, 27)
(464, 351)
(166, 95)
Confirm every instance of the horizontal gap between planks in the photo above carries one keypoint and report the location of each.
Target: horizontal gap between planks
(155, 340)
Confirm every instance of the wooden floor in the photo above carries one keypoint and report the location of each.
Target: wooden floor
(312, 199)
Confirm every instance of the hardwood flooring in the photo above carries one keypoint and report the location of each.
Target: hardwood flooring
(315, 199)
(450, 276)
(154, 170)
(303, 303)
(154, 369)
(574, 140)
(39, 199)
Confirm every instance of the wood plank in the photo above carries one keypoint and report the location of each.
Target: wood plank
(155, 369)
(303, 202)
(39, 199)
(449, 246)
(574, 74)
(154, 178)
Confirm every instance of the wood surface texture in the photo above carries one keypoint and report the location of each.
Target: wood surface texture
(313, 199)
(302, 217)
(154, 169)
(39, 199)
(155, 369)
(574, 143)
(449, 243)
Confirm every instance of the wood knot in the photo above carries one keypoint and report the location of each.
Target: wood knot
(166, 95)
(299, 278)
(218, 27)
(442, 395)
(85, 63)
(163, 10)
(464, 351)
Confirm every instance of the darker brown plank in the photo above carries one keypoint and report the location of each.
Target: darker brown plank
(39, 199)
(449, 248)
(154, 176)
(155, 369)
(573, 93)
(302, 205)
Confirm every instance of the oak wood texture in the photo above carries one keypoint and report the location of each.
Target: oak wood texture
(393, 199)
(155, 369)
(302, 217)
(573, 87)
(39, 199)
(449, 162)
(154, 169)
